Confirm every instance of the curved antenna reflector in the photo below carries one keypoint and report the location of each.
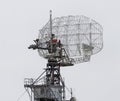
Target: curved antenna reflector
(80, 36)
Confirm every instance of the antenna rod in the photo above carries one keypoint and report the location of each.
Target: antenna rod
(51, 24)
(51, 35)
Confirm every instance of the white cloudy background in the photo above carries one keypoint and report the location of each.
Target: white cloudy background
(20, 20)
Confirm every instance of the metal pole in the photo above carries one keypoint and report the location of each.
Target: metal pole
(51, 47)
(51, 23)
(31, 95)
(90, 35)
(51, 37)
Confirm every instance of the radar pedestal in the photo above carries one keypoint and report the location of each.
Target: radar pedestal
(53, 87)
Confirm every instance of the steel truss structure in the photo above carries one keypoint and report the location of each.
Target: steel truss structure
(81, 37)
(63, 41)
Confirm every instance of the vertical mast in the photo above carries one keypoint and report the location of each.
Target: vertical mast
(51, 24)
(51, 37)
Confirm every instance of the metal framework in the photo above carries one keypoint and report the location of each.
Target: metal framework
(63, 41)
(81, 37)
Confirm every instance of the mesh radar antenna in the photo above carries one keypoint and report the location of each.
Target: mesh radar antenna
(63, 41)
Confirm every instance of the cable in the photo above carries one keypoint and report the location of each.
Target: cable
(38, 78)
(21, 96)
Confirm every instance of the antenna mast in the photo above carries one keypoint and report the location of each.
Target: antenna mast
(84, 38)
(51, 35)
(51, 24)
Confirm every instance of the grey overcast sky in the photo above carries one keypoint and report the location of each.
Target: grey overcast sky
(20, 20)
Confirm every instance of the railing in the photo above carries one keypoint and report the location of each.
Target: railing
(81, 59)
(28, 81)
(31, 81)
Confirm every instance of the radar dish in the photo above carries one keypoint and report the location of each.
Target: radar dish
(80, 36)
